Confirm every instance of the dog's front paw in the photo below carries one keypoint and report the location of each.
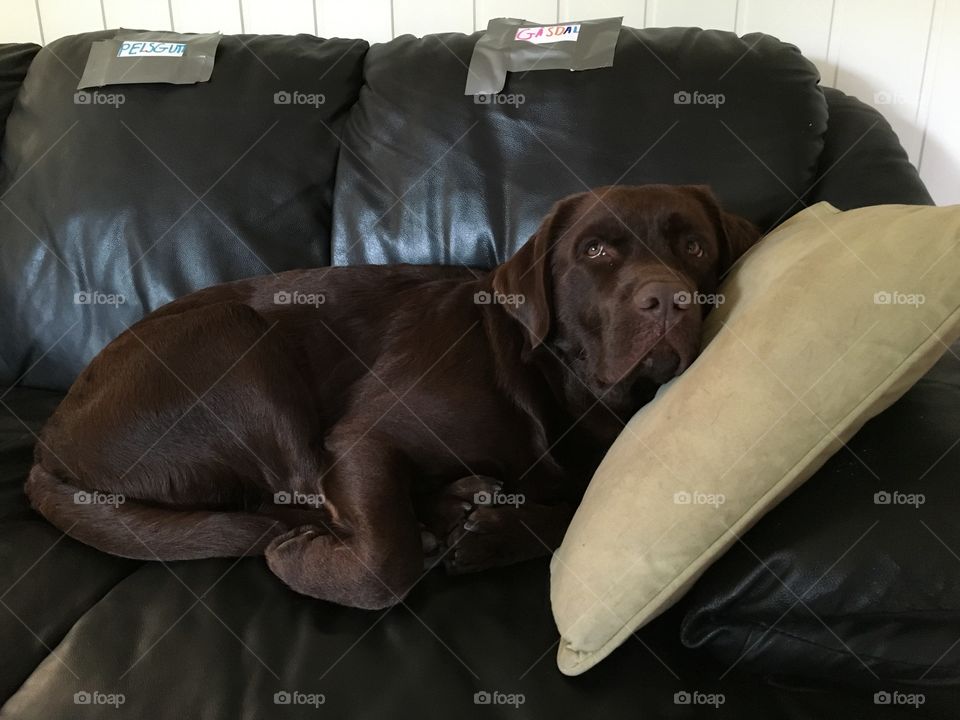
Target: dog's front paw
(485, 538)
(451, 506)
(475, 489)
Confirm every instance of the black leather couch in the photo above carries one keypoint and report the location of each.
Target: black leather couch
(110, 208)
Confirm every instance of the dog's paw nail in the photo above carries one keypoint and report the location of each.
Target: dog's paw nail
(428, 542)
(466, 506)
(284, 542)
(471, 526)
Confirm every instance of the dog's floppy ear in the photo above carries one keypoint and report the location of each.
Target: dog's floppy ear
(528, 277)
(736, 234)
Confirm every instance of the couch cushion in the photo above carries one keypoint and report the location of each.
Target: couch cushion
(858, 574)
(147, 192)
(428, 175)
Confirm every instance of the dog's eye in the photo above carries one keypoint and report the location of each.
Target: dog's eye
(694, 248)
(594, 249)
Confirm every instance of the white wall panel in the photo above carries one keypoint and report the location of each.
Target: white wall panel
(717, 14)
(367, 19)
(940, 108)
(138, 14)
(541, 11)
(206, 16)
(285, 17)
(880, 49)
(67, 17)
(420, 18)
(19, 21)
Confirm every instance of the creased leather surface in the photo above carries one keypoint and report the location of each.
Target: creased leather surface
(103, 196)
(879, 583)
(428, 175)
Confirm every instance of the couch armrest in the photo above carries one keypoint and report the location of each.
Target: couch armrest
(862, 162)
(14, 61)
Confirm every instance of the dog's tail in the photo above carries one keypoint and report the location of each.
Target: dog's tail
(145, 532)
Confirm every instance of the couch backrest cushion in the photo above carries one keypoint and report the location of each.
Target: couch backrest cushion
(147, 192)
(428, 175)
(863, 162)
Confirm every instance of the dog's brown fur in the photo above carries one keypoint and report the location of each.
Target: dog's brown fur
(400, 403)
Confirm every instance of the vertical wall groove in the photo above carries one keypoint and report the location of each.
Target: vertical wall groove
(36, 5)
(830, 48)
(926, 83)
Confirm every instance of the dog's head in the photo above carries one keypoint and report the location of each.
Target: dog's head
(618, 280)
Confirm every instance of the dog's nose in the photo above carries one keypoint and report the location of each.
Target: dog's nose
(664, 300)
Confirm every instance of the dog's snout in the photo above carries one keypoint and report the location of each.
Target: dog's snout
(664, 300)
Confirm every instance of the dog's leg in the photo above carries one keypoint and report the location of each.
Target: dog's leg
(372, 555)
(191, 422)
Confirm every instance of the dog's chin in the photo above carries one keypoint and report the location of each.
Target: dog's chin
(653, 363)
(661, 365)
(657, 367)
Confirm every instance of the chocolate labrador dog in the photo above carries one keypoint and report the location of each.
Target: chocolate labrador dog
(346, 421)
